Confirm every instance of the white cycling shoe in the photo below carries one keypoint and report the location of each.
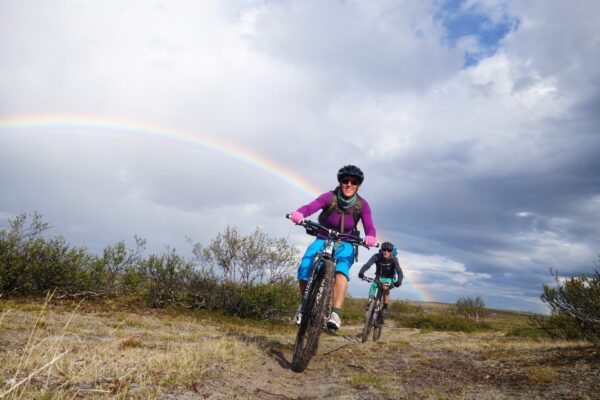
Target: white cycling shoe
(298, 316)
(334, 322)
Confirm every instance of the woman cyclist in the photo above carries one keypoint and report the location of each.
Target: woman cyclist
(386, 268)
(342, 201)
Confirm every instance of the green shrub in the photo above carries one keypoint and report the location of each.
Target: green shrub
(275, 301)
(528, 332)
(441, 323)
(254, 282)
(472, 308)
(354, 309)
(271, 301)
(575, 305)
(559, 326)
(32, 265)
(399, 308)
(167, 276)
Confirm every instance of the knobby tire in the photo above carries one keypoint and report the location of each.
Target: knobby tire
(309, 331)
(377, 329)
(368, 321)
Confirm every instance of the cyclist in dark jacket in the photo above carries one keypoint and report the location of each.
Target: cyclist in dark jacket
(387, 268)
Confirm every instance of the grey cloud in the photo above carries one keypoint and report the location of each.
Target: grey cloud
(486, 175)
(372, 46)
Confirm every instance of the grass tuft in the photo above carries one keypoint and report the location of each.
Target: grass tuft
(130, 343)
(364, 381)
(542, 374)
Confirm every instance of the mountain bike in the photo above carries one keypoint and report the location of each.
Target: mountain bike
(317, 295)
(373, 313)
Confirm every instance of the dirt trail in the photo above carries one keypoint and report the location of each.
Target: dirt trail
(411, 365)
(158, 355)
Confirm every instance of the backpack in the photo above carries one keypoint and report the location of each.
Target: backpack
(334, 205)
(356, 214)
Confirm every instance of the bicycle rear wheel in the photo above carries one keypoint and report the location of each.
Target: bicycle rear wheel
(377, 330)
(319, 297)
(368, 320)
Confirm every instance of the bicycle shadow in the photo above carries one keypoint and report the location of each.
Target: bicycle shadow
(272, 348)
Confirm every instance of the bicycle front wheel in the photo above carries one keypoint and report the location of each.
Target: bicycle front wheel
(318, 299)
(368, 320)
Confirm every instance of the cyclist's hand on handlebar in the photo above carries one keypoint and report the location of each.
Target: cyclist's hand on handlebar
(296, 217)
(370, 241)
(361, 276)
(397, 283)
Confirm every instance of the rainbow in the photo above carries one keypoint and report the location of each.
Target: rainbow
(412, 285)
(86, 125)
(422, 293)
(82, 125)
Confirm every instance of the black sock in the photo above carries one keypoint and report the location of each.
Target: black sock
(385, 306)
(336, 310)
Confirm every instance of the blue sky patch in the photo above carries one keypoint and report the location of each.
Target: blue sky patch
(471, 21)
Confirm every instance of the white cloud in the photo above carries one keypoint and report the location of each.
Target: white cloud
(480, 170)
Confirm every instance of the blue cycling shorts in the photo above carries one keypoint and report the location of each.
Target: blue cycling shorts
(344, 255)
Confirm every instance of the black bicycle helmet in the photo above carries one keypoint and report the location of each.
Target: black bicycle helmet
(350, 170)
(387, 246)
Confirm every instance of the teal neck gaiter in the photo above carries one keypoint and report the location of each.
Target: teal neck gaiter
(344, 203)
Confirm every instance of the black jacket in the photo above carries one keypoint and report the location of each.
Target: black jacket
(385, 268)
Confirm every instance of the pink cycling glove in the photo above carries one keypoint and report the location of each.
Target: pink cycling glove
(370, 240)
(297, 217)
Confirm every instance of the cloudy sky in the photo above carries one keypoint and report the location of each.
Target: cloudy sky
(477, 124)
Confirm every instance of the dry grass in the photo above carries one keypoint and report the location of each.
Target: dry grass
(368, 380)
(73, 354)
(69, 351)
(542, 374)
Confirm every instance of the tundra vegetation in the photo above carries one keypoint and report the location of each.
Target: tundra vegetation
(217, 325)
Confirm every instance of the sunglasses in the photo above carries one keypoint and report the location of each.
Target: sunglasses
(348, 181)
(386, 250)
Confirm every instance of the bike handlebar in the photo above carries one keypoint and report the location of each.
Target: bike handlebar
(370, 280)
(332, 233)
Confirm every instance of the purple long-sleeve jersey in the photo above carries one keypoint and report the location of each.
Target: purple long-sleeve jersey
(333, 221)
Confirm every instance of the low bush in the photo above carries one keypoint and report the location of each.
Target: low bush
(445, 323)
(32, 265)
(472, 308)
(354, 309)
(575, 306)
(266, 301)
(167, 276)
(256, 285)
(561, 327)
(398, 308)
(528, 332)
